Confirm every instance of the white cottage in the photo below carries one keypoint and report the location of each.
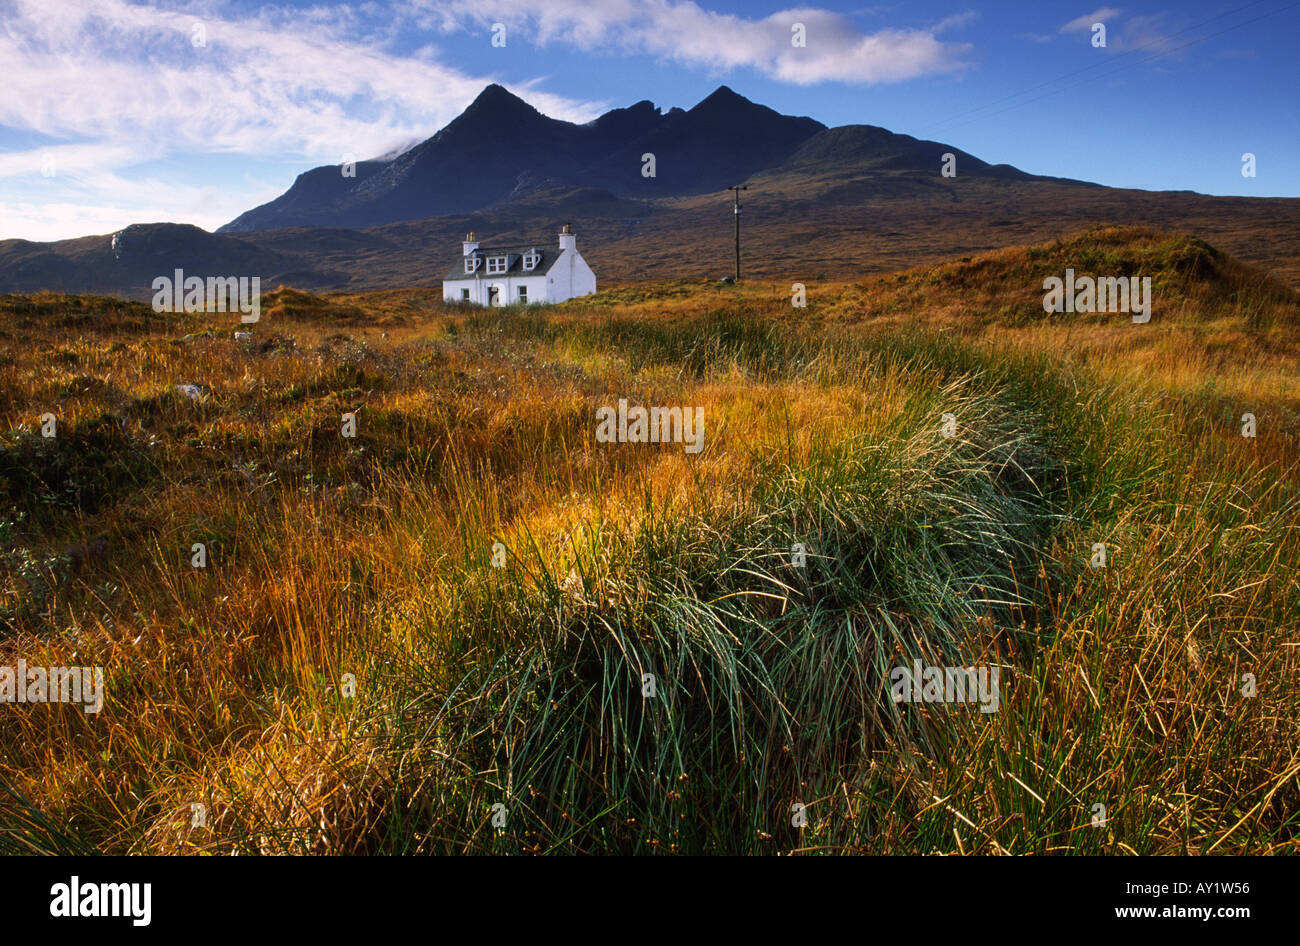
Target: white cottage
(504, 275)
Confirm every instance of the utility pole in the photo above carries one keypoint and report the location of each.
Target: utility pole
(736, 194)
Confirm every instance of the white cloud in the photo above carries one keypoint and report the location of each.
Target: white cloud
(283, 81)
(683, 32)
(1084, 23)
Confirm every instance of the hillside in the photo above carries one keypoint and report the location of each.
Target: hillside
(795, 227)
(498, 583)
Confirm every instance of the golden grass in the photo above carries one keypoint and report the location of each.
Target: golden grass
(371, 557)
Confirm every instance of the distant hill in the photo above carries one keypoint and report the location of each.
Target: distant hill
(128, 261)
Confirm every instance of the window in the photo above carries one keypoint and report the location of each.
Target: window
(464, 295)
(471, 264)
(496, 264)
(523, 294)
(531, 259)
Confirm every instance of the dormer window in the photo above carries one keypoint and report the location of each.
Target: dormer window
(531, 259)
(471, 264)
(496, 264)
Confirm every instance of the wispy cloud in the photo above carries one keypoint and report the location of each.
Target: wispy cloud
(1146, 33)
(280, 81)
(683, 32)
(1084, 23)
(956, 21)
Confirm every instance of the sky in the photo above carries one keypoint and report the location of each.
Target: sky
(115, 112)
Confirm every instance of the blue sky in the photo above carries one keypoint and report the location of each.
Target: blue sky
(115, 112)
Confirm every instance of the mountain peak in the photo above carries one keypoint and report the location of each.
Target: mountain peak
(496, 97)
(724, 95)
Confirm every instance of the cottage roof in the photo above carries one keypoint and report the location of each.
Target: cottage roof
(515, 255)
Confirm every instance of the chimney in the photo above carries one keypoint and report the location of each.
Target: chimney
(567, 240)
(470, 244)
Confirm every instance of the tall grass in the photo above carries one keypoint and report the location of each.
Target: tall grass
(524, 686)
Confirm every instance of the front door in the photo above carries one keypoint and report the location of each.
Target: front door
(492, 294)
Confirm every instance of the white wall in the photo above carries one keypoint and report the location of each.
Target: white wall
(570, 276)
(507, 289)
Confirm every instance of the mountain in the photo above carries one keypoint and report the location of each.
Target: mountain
(822, 203)
(501, 148)
(495, 148)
